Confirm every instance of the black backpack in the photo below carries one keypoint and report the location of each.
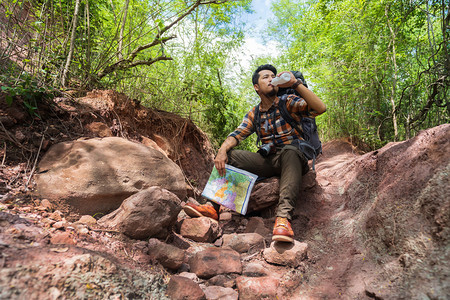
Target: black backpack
(311, 146)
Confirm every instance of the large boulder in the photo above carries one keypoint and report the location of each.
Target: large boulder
(266, 192)
(149, 213)
(96, 175)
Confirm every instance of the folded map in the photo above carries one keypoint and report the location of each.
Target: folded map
(232, 190)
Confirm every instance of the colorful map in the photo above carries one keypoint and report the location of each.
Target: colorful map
(232, 190)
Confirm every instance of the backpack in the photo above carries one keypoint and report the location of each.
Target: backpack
(311, 146)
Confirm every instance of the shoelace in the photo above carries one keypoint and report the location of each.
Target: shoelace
(283, 222)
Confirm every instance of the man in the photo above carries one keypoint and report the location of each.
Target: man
(284, 159)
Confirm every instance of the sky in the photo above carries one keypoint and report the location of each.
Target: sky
(256, 42)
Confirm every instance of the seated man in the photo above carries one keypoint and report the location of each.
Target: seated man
(283, 159)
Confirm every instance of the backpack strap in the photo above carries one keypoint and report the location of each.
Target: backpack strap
(257, 125)
(303, 145)
(287, 116)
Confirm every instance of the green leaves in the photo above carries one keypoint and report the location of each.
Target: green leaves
(362, 54)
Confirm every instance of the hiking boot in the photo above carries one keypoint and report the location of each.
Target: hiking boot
(203, 210)
(282, 231)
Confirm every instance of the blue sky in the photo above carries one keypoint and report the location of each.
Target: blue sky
(257, 43)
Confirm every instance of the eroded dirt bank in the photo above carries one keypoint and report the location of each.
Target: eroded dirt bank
(376, 224)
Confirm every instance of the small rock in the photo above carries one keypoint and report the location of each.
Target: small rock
(82, 229)
(201, 229)
(256, 225)
(88, 220)
(286, 254)
(251, 288)
(225, 280)
(254, 269)
(226, 216)
(215, 261)
(62, 238)
(180, 287)
(46, 204)
(59, 225)
(244, 242)
(220, 293)
(191, 276)
(56, 216)
(167, 255)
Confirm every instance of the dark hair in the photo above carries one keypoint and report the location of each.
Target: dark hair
(255, 76)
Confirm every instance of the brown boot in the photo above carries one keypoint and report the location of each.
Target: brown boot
(204, 210)
(282, 231)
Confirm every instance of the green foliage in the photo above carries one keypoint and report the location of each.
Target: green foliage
(26, 89)
(378, 65)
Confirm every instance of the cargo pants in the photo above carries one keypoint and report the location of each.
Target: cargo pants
(288, 163)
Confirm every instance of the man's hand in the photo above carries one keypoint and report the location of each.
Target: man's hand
(222, 157)
(290, 82)
(220, 161)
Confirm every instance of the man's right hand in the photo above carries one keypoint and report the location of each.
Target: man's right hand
(222, 157)
(220, 161)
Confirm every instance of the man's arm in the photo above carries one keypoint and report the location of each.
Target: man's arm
(222, 158)
(311, 99)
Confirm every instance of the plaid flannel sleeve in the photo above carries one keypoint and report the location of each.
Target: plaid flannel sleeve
(246, 128)
(299, 107)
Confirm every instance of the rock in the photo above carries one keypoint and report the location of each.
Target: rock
(62, 238)
(226, 280)
(225, 216)
(254, 269)
(152, 144)
(201, 229)
(286, 254)
(189, 275)
(56, 216)
(256, 225)
(167, 255)
(182, 288)
(59, 225)
(220, 293)
(149, 213)
(215, 261)
(99, 129)
(88, 220)
(252, 288)
(96, 175)
(264, 194)
(244, 242)
(47, 205)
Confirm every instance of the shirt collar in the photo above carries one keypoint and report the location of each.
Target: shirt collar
(274, 104)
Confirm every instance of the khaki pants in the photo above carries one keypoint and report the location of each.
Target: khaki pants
(288, 163)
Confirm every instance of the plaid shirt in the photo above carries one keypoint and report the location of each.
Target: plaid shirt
(278, 132)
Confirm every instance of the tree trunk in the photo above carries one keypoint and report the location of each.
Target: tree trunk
(394, 79)
(122, 29)
(72, 43)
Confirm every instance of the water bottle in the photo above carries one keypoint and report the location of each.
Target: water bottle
(285, 77)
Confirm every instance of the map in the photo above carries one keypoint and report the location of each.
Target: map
(232, 190)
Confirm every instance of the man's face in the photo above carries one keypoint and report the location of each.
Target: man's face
(264, 87)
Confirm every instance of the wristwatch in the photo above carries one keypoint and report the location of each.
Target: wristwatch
(296, 84)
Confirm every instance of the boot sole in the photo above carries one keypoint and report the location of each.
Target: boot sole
(192, 212)
(282, 238)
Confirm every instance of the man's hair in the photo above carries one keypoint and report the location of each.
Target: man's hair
(255, 77)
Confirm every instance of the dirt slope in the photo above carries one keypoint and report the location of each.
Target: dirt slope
(377, 224)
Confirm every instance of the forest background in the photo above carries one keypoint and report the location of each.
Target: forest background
(381, 66)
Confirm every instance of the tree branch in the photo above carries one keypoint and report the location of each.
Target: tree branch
(126, 63)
